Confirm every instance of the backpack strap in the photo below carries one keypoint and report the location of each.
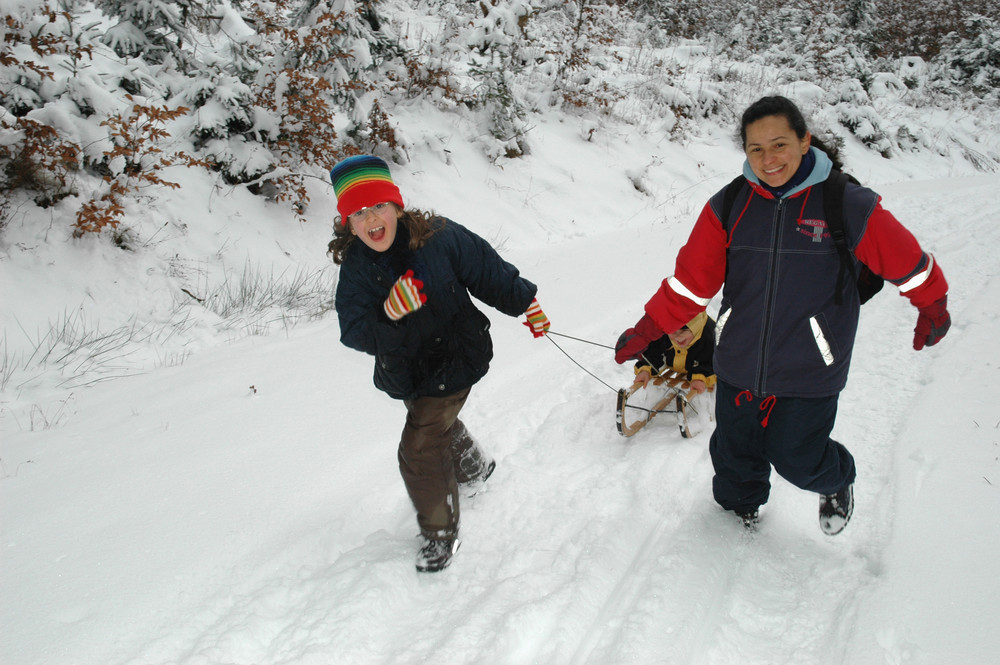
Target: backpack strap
(729, 199)
(833, 209)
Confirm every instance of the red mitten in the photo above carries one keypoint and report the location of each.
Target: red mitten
(634, 341)
(404, 297)
(933, 323)
(537, 321)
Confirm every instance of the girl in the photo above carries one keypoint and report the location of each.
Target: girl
(403, 296)
(785, 333)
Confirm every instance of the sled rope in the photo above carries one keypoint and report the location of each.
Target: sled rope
(549, 337)
(600, 380)
(585, 341)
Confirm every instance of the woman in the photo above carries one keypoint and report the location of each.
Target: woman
(403, 296)
(784, 334)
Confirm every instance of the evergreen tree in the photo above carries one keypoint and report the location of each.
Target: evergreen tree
(155, 30)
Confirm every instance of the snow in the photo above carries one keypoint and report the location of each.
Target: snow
(211, 496)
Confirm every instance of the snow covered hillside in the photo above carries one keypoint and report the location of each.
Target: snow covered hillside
(195, 493)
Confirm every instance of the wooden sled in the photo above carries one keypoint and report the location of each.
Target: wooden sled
(630, 418)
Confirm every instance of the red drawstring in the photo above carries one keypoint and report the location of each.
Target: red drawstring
(805, 199)
(766, 405)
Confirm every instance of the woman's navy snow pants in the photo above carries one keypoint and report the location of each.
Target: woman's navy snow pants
(792, 434)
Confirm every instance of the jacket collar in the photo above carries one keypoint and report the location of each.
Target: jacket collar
(820, 172)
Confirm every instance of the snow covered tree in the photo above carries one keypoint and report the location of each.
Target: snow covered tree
(975, 60)
(155, 29)
(854, 111)
(495, 37)
(33, 154)
(267, 115)
(594, 29)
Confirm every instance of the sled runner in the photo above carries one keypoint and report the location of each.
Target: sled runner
(630, 418)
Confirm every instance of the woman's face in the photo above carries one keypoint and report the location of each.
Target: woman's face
(376, 225)
(773, 149)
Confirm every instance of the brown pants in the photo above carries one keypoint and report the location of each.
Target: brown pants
(436, 454)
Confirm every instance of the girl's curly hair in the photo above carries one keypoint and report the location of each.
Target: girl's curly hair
(420, 223)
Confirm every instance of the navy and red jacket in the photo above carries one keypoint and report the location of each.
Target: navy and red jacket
(780, 330)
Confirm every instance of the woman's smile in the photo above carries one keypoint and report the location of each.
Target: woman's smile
(773, 149)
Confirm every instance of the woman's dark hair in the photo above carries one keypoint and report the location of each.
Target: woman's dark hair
(421, 225)
(777, 105)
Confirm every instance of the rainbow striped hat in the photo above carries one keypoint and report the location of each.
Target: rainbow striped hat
(362, 181)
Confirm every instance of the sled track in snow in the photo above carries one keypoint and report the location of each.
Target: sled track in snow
(640, 577)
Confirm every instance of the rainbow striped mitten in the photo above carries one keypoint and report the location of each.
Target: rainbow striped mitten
(405, 297)
(537, 321)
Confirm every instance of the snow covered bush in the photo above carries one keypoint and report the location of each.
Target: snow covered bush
(279, 90)
(855, 112)
(975, 60)
(34, 158)
(154, 30)
(132, 164)
(581, 81)
(495, 66)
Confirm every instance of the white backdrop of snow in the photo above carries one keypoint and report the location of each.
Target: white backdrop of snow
(235, 499)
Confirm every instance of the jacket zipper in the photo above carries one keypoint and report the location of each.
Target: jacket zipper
(769, 297)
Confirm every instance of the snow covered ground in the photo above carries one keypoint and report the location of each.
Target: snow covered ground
(234, 498)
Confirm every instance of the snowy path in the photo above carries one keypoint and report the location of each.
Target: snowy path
(199, 521)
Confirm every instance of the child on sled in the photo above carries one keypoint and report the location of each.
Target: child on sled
(681, 363)
(688, 352)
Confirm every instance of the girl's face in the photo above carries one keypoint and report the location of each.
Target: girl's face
(376, 225)
(773, 149)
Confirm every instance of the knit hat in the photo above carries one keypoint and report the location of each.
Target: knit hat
(362, 181)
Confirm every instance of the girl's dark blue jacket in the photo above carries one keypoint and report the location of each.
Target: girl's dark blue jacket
(444, 346)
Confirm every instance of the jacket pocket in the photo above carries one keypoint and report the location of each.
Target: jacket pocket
(394, 375)
(473, 345)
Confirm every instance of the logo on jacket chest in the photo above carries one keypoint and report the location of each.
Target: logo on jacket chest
(813, 228)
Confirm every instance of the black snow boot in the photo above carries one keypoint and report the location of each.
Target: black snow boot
(475, 486)
(835, 510)
(436, 554)
(751, 518)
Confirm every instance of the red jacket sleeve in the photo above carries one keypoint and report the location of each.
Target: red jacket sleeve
(698, 275)
(890, 250)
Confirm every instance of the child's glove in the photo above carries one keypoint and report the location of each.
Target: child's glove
(537, 321)
(932, 324)
(634, 341)
(405, 297)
